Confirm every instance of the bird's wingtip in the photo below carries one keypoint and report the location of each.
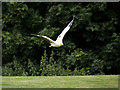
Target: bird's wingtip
(73, 16)
(24, 34)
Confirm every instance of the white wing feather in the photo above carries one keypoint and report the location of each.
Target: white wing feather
(47, 38)
(60, 37)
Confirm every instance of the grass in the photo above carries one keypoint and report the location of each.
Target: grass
(95, 81)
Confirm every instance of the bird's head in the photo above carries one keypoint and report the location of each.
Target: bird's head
(50, 46)
(59, 45)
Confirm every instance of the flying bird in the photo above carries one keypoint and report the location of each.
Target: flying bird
(59, 40)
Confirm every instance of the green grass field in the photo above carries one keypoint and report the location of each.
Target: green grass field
(95, 81)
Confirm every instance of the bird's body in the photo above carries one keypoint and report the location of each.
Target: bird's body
(59, 40)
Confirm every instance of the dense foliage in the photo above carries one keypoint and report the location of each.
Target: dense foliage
(92, 46)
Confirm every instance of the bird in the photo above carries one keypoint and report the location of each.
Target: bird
(59, 41)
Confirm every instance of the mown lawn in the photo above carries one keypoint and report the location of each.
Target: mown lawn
(95, 81)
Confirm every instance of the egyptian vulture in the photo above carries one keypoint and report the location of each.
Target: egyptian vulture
(59, 40)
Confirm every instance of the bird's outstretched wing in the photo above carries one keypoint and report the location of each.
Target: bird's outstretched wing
(60, 37)
(40, 36)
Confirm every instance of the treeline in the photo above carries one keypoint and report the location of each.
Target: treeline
(92, 46)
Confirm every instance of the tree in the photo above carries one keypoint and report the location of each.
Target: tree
(91, 46)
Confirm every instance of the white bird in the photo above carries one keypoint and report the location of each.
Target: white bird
(59, 40)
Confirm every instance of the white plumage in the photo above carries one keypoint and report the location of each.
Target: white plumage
(59, 40)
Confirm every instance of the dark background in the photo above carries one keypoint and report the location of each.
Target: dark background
(91, 46)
